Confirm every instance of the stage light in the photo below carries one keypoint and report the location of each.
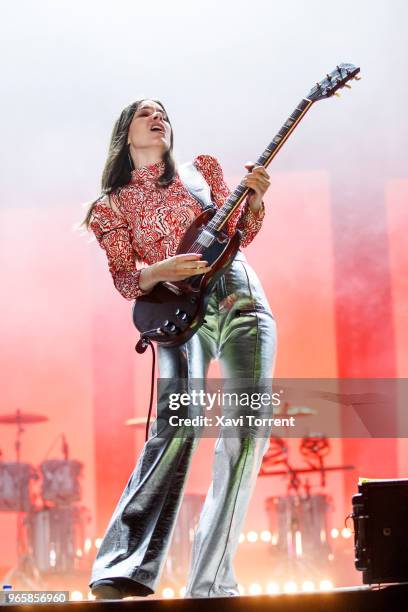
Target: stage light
(326, 585)
(182, 591)
(272, 588)
(53, 558)
(76, 596)
(266, 536)
(255, 589)
(290, 587)
(345, 532)
(91, 597)
(274, 539)
(241, 589)
(252, 536)
(334, 533)
(79, 552)
(330, 557)
(167, 593)
(87, 545)
(241, 538)
(308, 586)
(298, 543)
(98, 542)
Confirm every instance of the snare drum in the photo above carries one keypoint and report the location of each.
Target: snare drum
(15, 493)
(60, 483)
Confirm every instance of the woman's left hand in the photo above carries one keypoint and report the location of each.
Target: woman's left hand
(258, 181)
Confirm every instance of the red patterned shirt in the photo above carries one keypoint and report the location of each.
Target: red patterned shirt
(150, 221)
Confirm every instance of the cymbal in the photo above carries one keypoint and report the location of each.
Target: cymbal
(136, 422)
(18, 417)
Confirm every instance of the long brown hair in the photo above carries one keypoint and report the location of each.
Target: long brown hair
(118, 167)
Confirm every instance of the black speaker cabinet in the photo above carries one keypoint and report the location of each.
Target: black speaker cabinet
(380, 517)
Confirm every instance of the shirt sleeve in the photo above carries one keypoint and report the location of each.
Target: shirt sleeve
(242, 218)
(113, 234)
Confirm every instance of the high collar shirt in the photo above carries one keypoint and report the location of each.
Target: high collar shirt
(144, 223)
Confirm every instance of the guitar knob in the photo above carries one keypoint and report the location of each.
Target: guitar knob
(170, 328)
(183, 316)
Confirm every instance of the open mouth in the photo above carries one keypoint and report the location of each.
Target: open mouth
(157, 128)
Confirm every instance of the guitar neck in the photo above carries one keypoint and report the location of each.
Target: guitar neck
(235, 198)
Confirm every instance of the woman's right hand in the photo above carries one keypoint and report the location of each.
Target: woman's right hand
(180, 267)
(176, 268)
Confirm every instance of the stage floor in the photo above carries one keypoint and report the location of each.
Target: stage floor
(388, 598)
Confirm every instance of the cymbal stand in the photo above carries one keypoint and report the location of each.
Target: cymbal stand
(25, 561)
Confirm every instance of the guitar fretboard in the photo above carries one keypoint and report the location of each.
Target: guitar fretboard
(235, 198)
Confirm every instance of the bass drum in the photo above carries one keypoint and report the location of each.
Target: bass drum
(54, 535)
(15, 481)
(300, 525)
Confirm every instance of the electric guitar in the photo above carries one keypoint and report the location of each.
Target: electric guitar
(173, 311)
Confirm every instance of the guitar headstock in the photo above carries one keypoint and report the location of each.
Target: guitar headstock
(334, 81)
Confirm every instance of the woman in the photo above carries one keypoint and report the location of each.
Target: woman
(141, 216)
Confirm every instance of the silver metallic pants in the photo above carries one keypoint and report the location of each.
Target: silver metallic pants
(240, 331)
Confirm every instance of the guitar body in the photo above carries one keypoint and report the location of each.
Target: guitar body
(173, 311)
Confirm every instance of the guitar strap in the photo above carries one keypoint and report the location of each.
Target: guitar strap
(196, 184)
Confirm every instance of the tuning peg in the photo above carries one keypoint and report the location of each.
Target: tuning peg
(346, 85)
(357, 78)
(337, 94)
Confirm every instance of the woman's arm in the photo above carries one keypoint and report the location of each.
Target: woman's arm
(243, 218)
(113, 234)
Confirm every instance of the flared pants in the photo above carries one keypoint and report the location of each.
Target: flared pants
(239, 330)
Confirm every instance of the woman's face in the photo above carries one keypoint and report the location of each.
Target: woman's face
(150, 128)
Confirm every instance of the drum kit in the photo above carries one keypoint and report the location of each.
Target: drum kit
(299, 520)
(49, 525)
